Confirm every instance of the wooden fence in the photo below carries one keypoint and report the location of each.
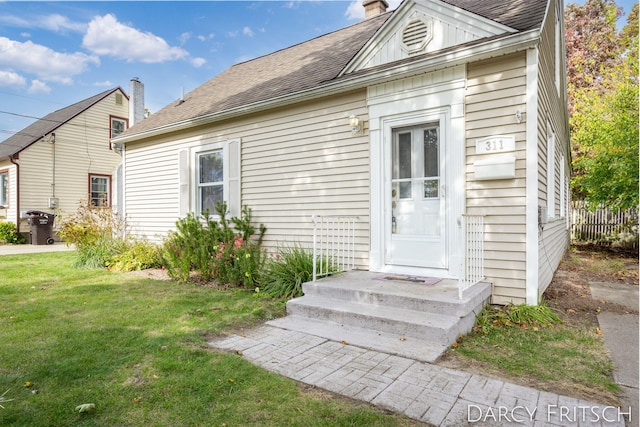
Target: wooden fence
(604, 226)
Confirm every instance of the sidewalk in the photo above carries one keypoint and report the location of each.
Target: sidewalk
(432, 394)
(620, 333)
(32, 249)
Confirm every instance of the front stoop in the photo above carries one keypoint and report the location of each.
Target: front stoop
(361, 308)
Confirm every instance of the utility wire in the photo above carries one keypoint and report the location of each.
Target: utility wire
(52, 121)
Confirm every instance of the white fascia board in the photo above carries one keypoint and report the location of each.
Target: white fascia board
(489, 49)
(532, 260)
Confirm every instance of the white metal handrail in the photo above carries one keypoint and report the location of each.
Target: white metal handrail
(472, 270)
(333, 244)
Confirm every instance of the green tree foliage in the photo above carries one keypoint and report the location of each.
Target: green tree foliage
(603, 98)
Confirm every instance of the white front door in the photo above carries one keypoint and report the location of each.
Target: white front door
(417, 214)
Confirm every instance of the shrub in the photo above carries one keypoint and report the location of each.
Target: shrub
(9, 233)
(137, 255)
(226, 250)
(89, 225)
(285, 273)
(97, 234)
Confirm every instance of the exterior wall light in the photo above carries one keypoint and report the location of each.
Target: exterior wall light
(356, 124)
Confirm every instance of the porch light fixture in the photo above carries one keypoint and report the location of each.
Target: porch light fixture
(356, 124)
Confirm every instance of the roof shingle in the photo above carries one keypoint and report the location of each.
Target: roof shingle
(311, 64)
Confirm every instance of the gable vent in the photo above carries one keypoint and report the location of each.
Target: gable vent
(118, 99)
(415, 35)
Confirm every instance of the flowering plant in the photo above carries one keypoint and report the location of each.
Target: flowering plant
(225, 250)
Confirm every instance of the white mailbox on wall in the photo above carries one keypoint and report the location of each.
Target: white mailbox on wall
(495, 163)
(495, 167)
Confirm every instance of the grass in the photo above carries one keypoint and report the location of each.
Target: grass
(136, 349)
(532, 344)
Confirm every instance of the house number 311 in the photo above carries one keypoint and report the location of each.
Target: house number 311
(496, 144)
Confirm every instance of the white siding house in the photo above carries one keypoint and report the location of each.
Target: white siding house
(458, 103)
(63, 158)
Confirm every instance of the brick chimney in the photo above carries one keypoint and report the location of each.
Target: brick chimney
(136, 101)
(374, 7)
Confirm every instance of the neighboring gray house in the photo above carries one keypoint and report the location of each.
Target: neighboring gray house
(461, 109)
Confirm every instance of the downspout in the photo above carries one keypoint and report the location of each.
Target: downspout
(12, 160)
(52, 140)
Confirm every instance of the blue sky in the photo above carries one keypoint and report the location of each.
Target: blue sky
(53, 54)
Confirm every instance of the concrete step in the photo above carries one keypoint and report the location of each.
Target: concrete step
(372, 288)
(433, 327)
(413, 348)
(418, 320)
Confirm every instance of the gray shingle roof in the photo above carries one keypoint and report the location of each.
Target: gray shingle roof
(47, 124)
(521, 15)
(311, 64)
(294, 69)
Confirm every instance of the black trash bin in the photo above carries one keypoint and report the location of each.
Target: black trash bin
(41, 227)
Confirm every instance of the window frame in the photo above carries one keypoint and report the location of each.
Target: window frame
(188, 175)
(4, 179)
(199, 186)
(111, 128)
(109, 189)
(198, 151)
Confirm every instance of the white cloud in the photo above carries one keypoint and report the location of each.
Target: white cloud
(107, 36)
(54, 22)
(106, 83)
(45, 63)
(355, 10)
(8, 79)
(38, 87)
(198, 62)
(184, 37)
(247, 32)
(203, 38)
(59, 23)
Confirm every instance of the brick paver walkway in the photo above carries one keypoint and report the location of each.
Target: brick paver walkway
(422, 391)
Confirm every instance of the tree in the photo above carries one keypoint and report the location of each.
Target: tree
(603, 101)
(592, 42)
(604, 129)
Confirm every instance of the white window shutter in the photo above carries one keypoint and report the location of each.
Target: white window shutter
(183, 177)
(234, 196)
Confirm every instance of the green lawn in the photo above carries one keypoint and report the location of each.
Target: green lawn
(136, 348)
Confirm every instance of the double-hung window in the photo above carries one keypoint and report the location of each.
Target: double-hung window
(210, 180)
(100, 190)
(118, 125)
(209, 174)
(4, 188)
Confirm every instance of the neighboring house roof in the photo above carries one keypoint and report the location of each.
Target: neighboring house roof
(49, 123)
(312, 64)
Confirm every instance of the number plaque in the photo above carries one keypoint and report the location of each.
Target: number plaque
(496, 144)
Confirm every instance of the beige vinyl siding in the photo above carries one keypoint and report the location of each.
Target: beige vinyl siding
(296, 162)
(554, 237)
(81, 148)
(496, 89)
